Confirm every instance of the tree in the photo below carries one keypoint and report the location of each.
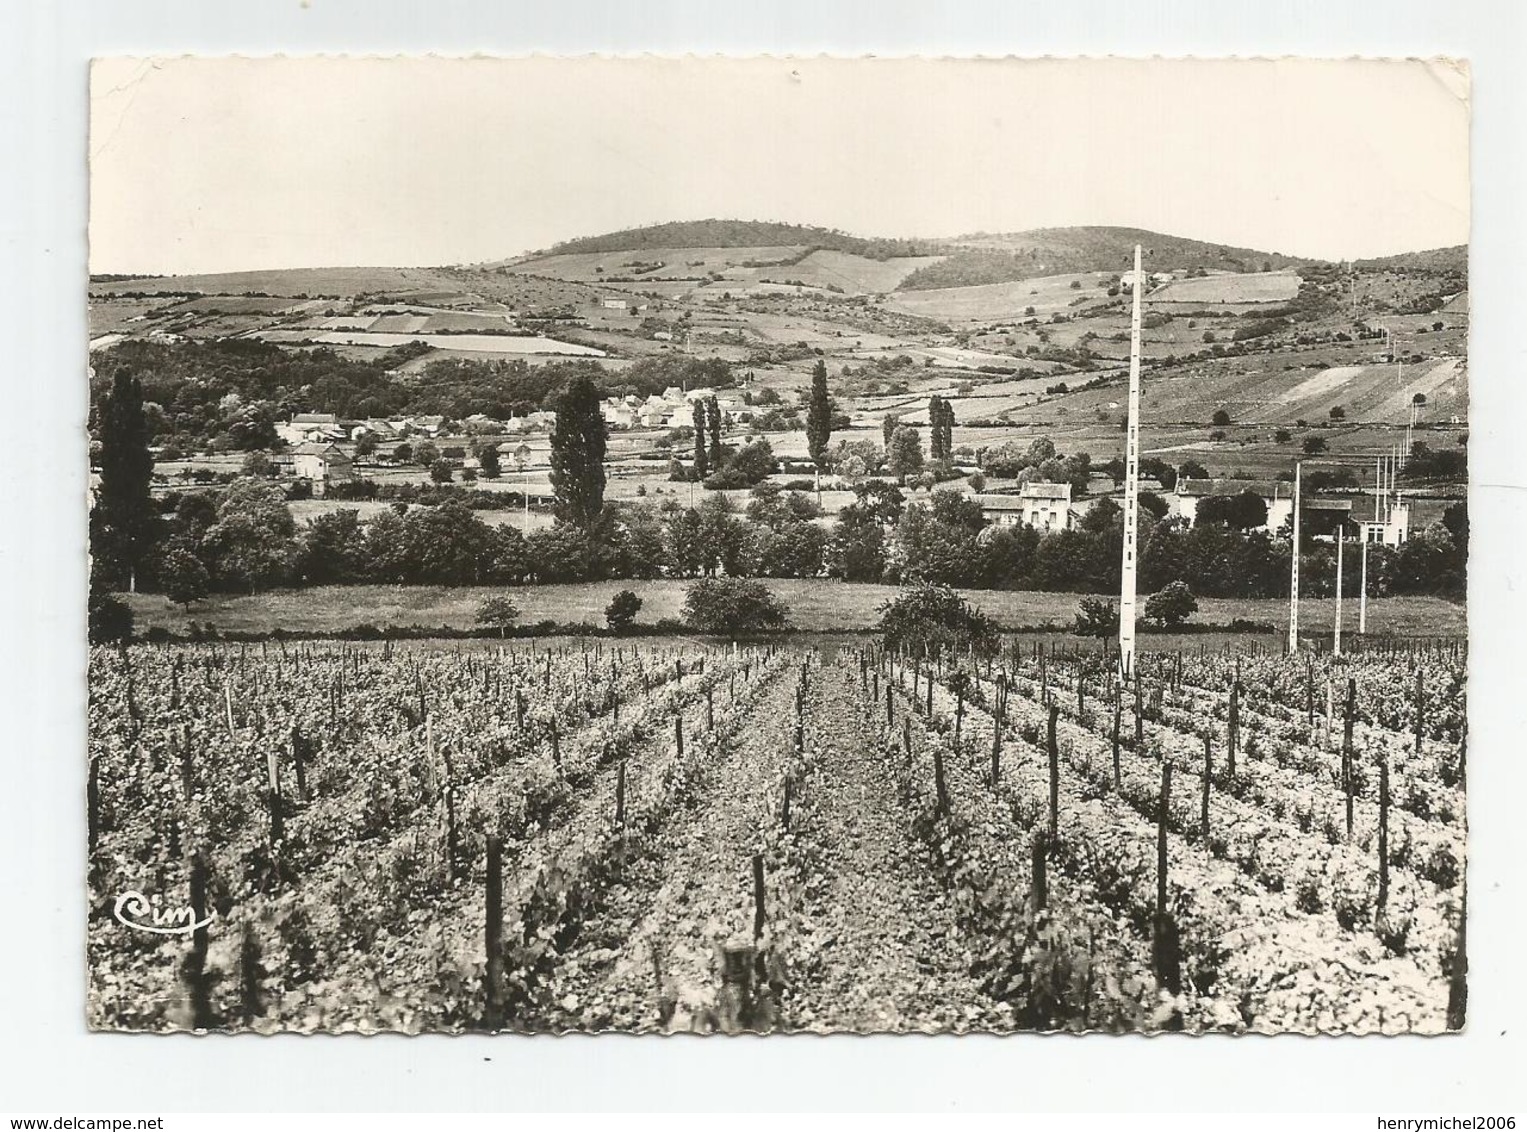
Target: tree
(1314, 445)
(941, 428)
(259, 464)
(366, 444)
(332, 549)
(577, 455)
(1192, 470)
(183, 577)
(1338, 413)
(929, 618)
(905, 454)
(498, 613)
(440, 471)
(1171, 606)
(1221, 417)
(125, 518)
(425, 454)
(732, 606)
(252, 545)
(1096, 617)
(818, 416)
(1244, 511)
(888, 426)
(489, 462)
(713, 421)
(1283, 436)
(702, 464)
(621, 613)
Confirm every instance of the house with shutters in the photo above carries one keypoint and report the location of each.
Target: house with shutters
(322, 464)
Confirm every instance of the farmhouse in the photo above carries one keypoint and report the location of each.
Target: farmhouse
(1392, 531)
(1278, 497)
(1043, 506)
(306, 427)
(323, 464)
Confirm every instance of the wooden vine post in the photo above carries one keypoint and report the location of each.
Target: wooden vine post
(996, 753)
(1383, 847)
(273, 795)
(1139, 714)
(1039, 851)
(1234, 727)
(1203, 815)
(493, 1016)
(194, 967)
(1346, 751)
(1118, 709)
(1166, 951)
(1458, 974)
(678, 734)
(620, 795)
(758, 896)
(299, 761)
(940, 789)
(93, 803)
(1053, 749)
(1420, 706)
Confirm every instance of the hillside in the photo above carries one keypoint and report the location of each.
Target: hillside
(983, 258)
(741, 234)
(1446, 261)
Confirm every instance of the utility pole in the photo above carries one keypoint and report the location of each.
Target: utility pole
(1362, 596)
(1131, 487)
(1293, 584)
(1341, 539)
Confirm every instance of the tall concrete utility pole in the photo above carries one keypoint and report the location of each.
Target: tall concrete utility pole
(1362, 596)
(1293, 583)
(1341, 540)
(1131, 487)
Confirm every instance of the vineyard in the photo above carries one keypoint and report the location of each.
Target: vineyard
(610, 835)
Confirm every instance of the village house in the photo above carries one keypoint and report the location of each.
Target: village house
(382, 430)
(322, 464)
(1043, 506)
(306, 427)
(1279, 498)
(1389, 532)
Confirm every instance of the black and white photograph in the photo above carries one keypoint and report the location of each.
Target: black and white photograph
(721, 545)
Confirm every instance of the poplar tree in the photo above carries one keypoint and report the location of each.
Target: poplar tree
(818, 415)
(713, 417)
(124, 510)
(577, 455)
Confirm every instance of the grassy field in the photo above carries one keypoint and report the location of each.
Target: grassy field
(814, 605)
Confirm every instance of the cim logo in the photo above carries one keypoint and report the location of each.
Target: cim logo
(150, 914)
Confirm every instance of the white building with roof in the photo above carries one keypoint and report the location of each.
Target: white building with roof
(1043, 506)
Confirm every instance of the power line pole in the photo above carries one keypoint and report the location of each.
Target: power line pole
(1293, 584)
(1362, 596)
(1341, 538)
(1131, 487)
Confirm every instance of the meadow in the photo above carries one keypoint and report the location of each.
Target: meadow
(817, 605)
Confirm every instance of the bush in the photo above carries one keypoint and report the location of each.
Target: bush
(930, 617)
(1221, 417)
(1096, 617)
(621, 613)
(732, 606)
(1171, 606)
(109, 619)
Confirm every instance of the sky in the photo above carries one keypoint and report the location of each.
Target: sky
(202, 165)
